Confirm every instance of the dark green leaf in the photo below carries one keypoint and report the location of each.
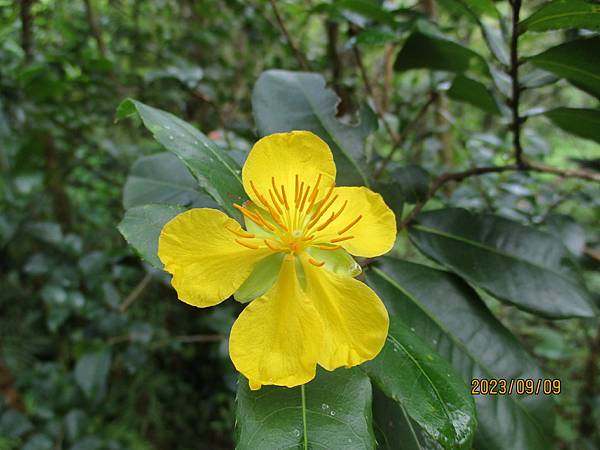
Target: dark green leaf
(436, 53)
(214, 169)
(426, 386)
(286, 101)
(563, 14)
(515, 263)
(578, 61)
(413, 182)
(337, 409)
(446, 312)
(473, 92)
(581, 122)
(141, 228)
(163, 178)
(568, 231)
(367, 8)
(91, 373)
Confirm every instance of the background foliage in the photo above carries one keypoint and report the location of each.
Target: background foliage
(440, 106)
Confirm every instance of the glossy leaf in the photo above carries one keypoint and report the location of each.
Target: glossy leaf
(424, 51)
(563, 14)
(581, 122)
(214, 169)
(163, 178)
(515, 263)
(568, 231)
(432, 394)
(473, 92)
(337, 408)
(285, 101)
(447, 313)
(577, 61)
(141, 228)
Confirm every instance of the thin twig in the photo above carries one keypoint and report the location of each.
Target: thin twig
(516, 87)
(404, 133)
(137, 291)
(527, 166)
(594, 254)
(297, 52)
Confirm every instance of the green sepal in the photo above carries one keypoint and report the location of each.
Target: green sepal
(261, 279)
(337, 261)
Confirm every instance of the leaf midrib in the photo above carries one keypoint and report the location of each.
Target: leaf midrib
(455, 340)
(555, 16)
(493, 250)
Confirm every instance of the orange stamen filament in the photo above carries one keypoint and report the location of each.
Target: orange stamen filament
(350, 225)
(271, 246)
(247, 245)
(242, 233)
(275, 203)
(276, 192)
(340, 239)
(314, 262)
(285, 202)
(329, 247)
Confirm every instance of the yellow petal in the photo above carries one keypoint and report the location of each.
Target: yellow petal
(277, 338)
(355, 321)
(372, 235)
(277, 159)
(206, 262)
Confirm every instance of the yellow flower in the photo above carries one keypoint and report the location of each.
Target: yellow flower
(292, 261)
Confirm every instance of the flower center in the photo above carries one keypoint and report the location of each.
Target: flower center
(294, 224)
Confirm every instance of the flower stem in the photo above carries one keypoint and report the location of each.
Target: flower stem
(305, 437)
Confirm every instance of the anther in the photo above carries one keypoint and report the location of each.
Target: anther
(260, 197)
(314, 262)
(329, 247)
(245, 244)
(285, 202)
(304, 198)
(350, 225)
(300, 193)
(275, 190)
(242, 233)
(340, 239)
(275, 203)
(308, 238)
(271, 246)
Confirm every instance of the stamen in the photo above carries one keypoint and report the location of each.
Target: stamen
(300, 193)
(308, 238)
(314, 262)
(249, 214)
(241, 233)
(350, 225)
(327, 222)
(275, 190)
(277, 218)
(304, 198)
(314, 221)
(284, 197)
(260, 197)
(296, 191)
(340, 239)
(265, 223)
(323, 202)
(275, 203)
(328, 247)
(271, 246)
(245, 244)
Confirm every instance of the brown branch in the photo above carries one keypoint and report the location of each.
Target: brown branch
(95, 28)
(295, 48)
(516, 88)
(590, 252)
(527, 166)
(137, 291)
(27, 29)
